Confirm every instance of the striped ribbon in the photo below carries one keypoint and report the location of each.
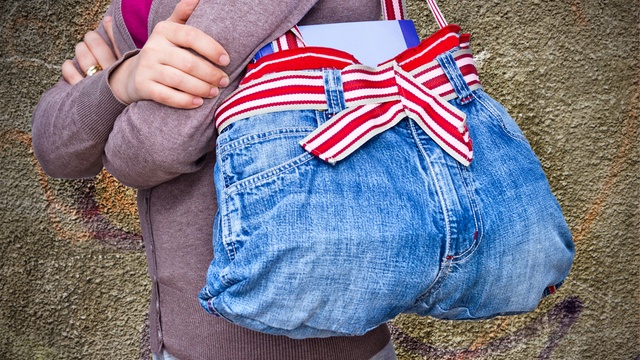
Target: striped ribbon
(411, 85)
(435, 10)
(376, 98)
(292, 39)
(382, 97)
(393, 9)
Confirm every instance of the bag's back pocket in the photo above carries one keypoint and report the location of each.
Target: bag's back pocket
(257, 147)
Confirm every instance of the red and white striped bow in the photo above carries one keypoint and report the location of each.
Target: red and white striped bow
(378, 98)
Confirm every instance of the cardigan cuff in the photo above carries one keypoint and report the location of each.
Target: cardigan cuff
(97, 107)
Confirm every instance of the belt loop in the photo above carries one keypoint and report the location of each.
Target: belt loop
(333, 91)
(450, 68)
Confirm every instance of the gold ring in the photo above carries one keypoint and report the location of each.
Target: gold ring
(92, 70)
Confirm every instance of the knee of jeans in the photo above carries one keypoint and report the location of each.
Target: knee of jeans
(500, 283)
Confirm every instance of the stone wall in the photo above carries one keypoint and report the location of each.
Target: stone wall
(73, 281)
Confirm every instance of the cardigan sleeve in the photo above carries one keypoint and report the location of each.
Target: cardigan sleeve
(71, 124)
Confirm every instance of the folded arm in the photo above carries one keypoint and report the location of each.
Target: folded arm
(71, 123)
(78, 129)
(152, 143)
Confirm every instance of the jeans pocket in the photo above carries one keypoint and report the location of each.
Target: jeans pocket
(499, 114)
(262, 146)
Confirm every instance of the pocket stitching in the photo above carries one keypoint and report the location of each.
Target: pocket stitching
(269, 174)
(497, 117)
(477, 218)
(252, 139)
(230, 246)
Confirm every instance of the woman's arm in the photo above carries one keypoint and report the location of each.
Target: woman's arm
(73, 120)
(151, 143)
(77, 129)
(71, 123)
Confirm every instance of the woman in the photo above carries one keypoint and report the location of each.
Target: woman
(147, 118)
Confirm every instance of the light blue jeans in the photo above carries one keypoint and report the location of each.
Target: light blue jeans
(307, 249)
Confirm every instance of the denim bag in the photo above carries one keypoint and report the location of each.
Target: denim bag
(420, 216)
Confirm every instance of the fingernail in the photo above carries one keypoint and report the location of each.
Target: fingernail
(224, 60)
(107, 18)
(197, 101)
(224, 82)
(214, 92)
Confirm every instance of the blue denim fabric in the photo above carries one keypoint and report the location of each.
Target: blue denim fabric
(308, 249)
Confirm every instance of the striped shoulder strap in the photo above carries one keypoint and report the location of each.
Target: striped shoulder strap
(391, 9)
(395, 10)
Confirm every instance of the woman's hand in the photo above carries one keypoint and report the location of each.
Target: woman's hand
(92, 51)
(166, 71)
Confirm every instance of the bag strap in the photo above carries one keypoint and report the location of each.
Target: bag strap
(395, 10)
(391, 9)
(435, 10)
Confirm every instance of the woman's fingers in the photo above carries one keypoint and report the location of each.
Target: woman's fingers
(195, 66)
(92, 54)
(84, 56)
(165, 47)
(175, 67)
(70, 73)
(190, 37)
(169, 96)
(195, 39)
(145, 77)
(99, 49)
(179, 80)
(94, 51)
(175, 70)
(108, 27)
(183, 11)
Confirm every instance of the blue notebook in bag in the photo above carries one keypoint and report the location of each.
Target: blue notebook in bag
(371, 42)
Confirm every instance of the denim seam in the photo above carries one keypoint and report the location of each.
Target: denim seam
(340, 94)
(328, 90)
(330, 98)
(443, 266)
(224, 280)
(225, 222)
(445, 270)
(267, 175)
(474, 210)
(477, 218)
(443, 203)
(498, 118)
(333, 91)
(223, 169)
(229, 246)
(321, 118)
(265, 326)
(215, 310)
(451, 70)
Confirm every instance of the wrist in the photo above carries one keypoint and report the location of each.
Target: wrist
(118, 81)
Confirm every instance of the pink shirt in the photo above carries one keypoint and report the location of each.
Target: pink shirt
(136, 16)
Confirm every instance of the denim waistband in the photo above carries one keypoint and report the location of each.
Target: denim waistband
(418, 83)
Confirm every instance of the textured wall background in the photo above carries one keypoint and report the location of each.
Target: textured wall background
(73, 279)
